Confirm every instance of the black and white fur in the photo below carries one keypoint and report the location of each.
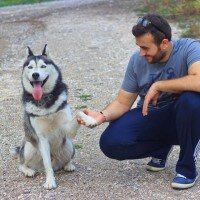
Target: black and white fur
(48, 122)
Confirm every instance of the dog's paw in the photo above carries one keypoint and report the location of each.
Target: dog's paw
(69, 167)
(50, 184)
(30, 173)
(89, 121)
(27, 171)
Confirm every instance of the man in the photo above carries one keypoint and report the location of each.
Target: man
(165, 74)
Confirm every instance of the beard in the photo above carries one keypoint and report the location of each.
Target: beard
(157, 58)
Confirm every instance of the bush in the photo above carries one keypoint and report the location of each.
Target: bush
(186, 12)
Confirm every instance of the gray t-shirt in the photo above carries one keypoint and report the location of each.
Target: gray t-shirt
(140, 74)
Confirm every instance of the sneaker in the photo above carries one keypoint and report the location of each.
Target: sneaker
(156, 165)
(181, 182)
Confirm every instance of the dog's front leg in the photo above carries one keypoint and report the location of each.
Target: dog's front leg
(46, 156)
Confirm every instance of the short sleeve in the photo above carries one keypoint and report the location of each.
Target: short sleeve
(129, 83)
(193, 53)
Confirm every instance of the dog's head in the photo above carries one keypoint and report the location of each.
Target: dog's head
(40, 74)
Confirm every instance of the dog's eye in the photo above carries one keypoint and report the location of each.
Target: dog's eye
(43, 66)
(30, 67)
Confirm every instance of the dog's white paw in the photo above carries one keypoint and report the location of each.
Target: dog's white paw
(69, 167)
(50, 183)
(27, 171)
(89, 121)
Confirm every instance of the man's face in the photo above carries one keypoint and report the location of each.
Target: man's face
(149, 50)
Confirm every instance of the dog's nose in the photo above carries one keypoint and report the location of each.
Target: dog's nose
(35, 76)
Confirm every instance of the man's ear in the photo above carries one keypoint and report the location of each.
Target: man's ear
(29, 52)
(45, 51)
(164, 43)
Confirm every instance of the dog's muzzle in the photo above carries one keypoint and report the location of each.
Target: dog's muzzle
(39, 82)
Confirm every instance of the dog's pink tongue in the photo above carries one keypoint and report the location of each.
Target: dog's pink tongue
(37, 91)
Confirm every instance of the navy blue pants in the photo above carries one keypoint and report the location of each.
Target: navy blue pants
(135, 136)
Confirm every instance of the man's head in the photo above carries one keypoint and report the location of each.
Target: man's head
(153, 36)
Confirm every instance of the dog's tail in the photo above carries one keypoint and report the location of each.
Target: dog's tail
(15, 151)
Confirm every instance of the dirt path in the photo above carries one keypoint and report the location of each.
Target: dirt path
(92, 44)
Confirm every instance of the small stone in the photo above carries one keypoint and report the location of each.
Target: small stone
(27, 192)
(89, 169)
(50, 194)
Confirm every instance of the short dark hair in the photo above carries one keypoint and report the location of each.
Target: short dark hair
(158, 27)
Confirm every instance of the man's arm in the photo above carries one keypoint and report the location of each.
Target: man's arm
(114, 110)
(191, 82)
(120, 105)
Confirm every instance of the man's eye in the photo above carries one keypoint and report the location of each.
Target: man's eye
(30, 67)
(145, 48)
(43, 66)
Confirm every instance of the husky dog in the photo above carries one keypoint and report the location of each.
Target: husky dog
(48, 122)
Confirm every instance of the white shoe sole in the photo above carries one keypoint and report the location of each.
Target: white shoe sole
(183, 186)
(154, 169)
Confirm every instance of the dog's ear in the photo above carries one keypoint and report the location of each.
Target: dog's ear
(45, 51)
(29, 52)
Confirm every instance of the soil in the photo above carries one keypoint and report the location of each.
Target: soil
(91, 42)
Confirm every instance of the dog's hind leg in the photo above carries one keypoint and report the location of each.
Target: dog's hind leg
(26, 170)
(70, 150)
(26, 155)
(69, 167)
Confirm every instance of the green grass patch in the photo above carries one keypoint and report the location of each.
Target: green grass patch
(78, 146)
(85, 97)
(17, 2)
(186, 12)
(81, 107)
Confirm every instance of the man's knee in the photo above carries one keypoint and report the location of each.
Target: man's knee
(112, 146)
(117, 148)
(108, 146)
(189, 102)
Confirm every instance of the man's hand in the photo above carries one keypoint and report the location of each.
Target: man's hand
(151, 96)
(94, 114)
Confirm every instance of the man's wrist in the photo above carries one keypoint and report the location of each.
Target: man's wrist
(157, 85)
(104, 117)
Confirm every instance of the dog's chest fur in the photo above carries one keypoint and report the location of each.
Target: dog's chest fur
(50, 126)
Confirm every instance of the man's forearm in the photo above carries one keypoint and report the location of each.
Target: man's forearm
(186, 83)
(114, 110)
(119, 106)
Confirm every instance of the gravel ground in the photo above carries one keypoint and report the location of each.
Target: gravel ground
(91, 41)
